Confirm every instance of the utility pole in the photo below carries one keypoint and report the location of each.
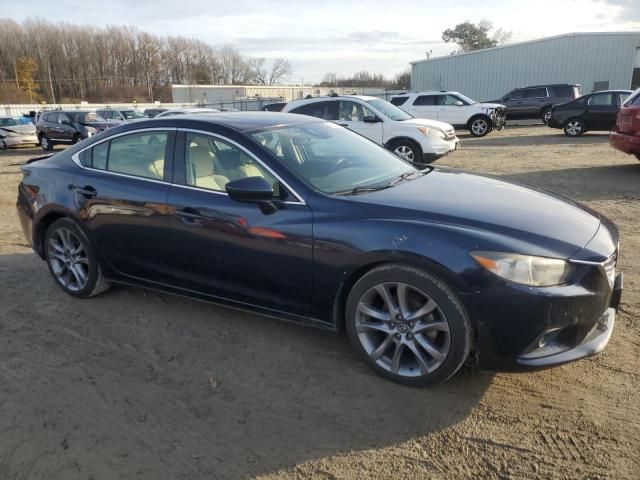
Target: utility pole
(53, 95)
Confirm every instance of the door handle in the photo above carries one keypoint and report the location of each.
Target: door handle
(87, 191)
(189, 215)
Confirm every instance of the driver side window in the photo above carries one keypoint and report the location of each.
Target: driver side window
(211, 163)
(353, 112)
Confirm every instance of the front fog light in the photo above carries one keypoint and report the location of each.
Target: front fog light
(525, 269)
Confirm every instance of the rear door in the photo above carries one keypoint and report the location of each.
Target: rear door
(602, 109)
(233, 250)
(122, 193)
(423, 106)
(534, 99)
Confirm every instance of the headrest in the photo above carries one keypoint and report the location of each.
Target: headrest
(201, 161)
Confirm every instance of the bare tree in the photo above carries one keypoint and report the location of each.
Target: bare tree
(280, 70)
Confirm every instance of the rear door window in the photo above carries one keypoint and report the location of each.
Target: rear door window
(397, 101)
(324, 110)
(561, 91)
(138, 154)
(425, 100)
(535, 93)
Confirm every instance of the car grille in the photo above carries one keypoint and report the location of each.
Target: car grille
(610, 268)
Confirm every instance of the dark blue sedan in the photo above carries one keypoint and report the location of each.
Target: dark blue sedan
(296, 217)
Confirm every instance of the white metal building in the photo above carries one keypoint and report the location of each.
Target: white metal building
(211, 94)
(593, 60)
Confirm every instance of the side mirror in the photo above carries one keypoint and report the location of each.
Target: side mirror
(252, 190)
(371, 119)
(459, 103)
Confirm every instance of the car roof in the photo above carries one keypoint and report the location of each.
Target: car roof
(365, 98)
(427, 92)
(242, 121)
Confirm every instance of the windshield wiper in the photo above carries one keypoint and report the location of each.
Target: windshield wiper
(407, 176)
(358, 190)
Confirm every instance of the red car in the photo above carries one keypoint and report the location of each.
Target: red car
(625, 136)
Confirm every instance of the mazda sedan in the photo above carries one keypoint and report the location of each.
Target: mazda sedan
(298, 218)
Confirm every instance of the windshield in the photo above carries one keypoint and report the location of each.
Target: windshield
(131, 114)
(466, 99)
(331, 158)
(8, 122)
(87, 117)
(389, 110)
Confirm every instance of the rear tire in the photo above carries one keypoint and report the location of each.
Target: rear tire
(574, 127)
(408, 325)
(545, 115)
(72, 260)
(407, 150)
(45, 143)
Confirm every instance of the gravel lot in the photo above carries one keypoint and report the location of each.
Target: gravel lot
(135, 384)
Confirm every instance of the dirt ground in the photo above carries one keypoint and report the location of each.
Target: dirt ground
(134, 384)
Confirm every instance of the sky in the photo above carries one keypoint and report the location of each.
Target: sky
(332, 35)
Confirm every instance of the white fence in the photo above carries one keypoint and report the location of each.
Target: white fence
(242, 104)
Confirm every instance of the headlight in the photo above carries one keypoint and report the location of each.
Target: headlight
(432, 132)
(525, 269)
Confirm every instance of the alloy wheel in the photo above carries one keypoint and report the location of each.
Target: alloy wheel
(574, 128)
(546, 117)
(479, 127)
(44, 142)
(402, 329)
(405, 152)
(68, 259)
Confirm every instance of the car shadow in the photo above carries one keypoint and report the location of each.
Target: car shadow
(542, 136)
(620, 181)
(135, 382)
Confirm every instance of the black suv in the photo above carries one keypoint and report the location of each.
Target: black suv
(596, 111)
(536, 101)
(67, 127)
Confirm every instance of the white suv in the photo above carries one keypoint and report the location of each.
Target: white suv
(454, 108)
(414, 139)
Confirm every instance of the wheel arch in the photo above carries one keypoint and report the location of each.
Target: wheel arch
(392, 141)
(479, 115)
(44, 222)
(384, 258)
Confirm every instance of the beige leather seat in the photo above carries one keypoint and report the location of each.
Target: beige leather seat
(202, 172)
(234, 168)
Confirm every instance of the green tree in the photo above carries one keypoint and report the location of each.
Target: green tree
(26, 71)
(470, 36)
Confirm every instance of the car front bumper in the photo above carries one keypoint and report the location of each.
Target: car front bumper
(16, 141)
(624, 142)
(523, 328)
(438, 148)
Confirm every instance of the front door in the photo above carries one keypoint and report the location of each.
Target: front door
(353, 115)
(602, 109)
(450, 110)
(122, 196)
(234, 250)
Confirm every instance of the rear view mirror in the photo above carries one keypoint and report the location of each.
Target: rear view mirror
(371, 119)
(252, 190)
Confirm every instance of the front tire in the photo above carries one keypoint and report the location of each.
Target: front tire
(407, 150)
(408, 325)
(45, 143)
(72, 260)
(574, 127)
(480, 126)
(545, 115)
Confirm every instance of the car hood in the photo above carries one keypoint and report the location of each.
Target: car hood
(527, 219)
(490, 105)
(21, 129)
(423, 122)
